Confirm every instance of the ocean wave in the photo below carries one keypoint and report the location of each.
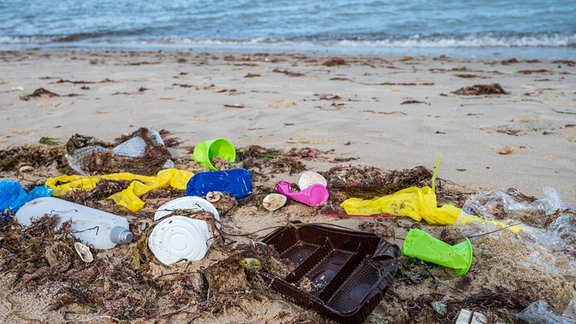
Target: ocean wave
(428, 41)
(471, 40)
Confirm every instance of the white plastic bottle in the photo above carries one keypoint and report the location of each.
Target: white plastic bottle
(93, 227)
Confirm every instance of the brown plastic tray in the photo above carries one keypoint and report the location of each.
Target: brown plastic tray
(341, 274)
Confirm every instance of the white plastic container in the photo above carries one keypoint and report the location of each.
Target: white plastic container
(93, 227)
(179, 237)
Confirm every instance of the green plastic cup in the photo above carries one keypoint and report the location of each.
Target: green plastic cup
(421, 245)
(220, 147)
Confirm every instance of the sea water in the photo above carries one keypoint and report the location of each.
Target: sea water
(528, 28)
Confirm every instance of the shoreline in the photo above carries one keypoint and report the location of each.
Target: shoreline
(472, 52)
(392, 112)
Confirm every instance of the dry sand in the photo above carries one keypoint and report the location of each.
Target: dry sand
(391, 113)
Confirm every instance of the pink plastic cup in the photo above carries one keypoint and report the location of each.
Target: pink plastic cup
(312, 196)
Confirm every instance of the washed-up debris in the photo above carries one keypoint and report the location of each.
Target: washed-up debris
(480, 90)
(142, 152)
(206, 152)
(274, 201)
(343, 277)
(39, 94)
(97, 228)
(335, 61)
(368, 182)
(129, 283)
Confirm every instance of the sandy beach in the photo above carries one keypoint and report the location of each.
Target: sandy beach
(392, 113)
(498, 124)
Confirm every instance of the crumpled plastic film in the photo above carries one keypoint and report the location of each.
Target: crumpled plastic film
(129, 197)
(416, 203)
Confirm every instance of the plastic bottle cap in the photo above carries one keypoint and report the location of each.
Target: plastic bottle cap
(178, 237)
(121, 235)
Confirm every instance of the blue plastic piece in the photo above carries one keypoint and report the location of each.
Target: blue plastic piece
(13, 196)
(236, 182)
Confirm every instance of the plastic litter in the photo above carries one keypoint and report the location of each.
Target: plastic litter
(13, 196)
(308, 178)
(129, 197)
(421, 245)
(136, 146)
(484, 204)
(471, 317)
(313, 195)
(133, 147)
(91, 226)
(559, 235)
(341, 274)
(570, 311)
(416, 203)
(179, 237)
(236, 182)
(205, 151)
(539, 312)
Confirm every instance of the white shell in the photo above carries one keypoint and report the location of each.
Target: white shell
(274, 201)
(308, 178)
(213, 196)
(84, 252)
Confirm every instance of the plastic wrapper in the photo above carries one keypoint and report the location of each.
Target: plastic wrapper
(13, 196)
(135, 147)
(539, 312)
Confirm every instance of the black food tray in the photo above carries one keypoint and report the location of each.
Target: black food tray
(341, 274)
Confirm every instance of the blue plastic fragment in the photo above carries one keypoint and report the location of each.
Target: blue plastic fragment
(13, 196)
(236, 182)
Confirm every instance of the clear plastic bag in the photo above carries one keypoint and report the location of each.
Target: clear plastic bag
(539, 312)
(131, 148)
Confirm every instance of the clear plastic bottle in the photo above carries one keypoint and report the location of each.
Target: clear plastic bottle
(94, 227)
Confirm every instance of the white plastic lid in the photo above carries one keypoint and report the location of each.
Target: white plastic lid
(178, 237)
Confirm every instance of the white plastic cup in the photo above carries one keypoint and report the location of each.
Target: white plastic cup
(179, 237)
(94, 227)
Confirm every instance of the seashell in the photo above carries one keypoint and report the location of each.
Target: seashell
(26, 168)
(84, 252)
(506, 150)
(213, 196)
(251, 264)
(274, 201)
(308, 178)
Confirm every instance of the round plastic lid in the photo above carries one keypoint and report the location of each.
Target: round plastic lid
(178, 237)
